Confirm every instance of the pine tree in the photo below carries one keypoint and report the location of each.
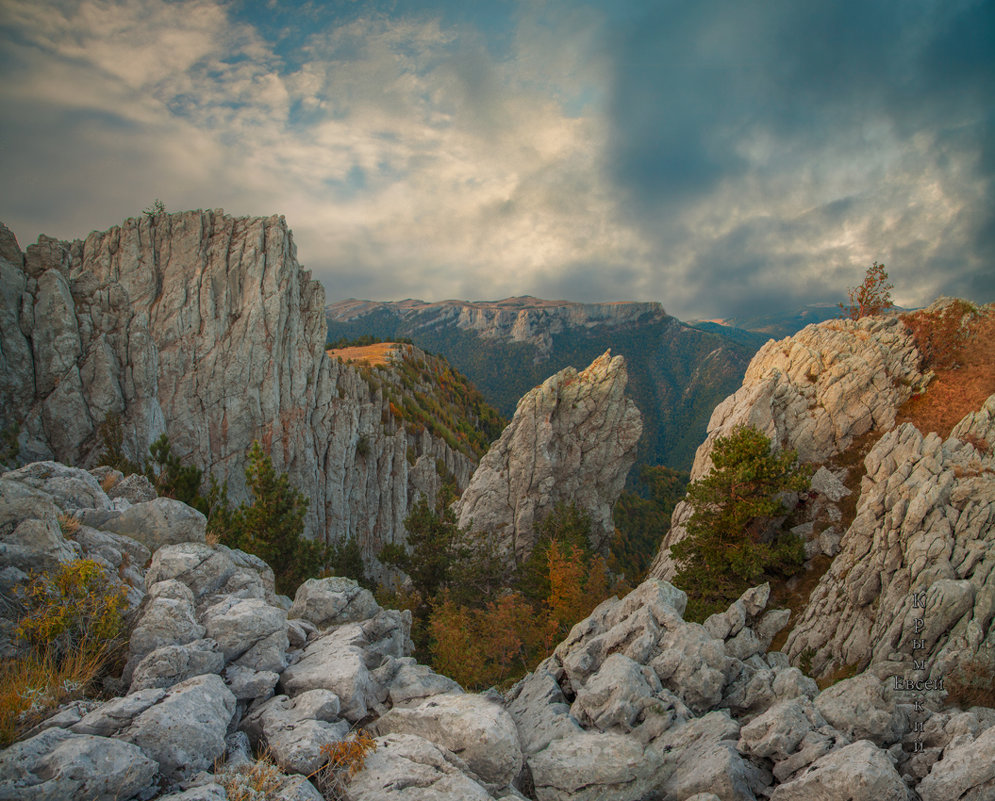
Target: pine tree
(728, 547)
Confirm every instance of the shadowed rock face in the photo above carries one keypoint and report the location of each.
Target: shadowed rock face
(572, 439)
(205, 327)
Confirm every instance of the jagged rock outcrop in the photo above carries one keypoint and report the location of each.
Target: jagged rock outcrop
(572, 440)
(205, 327)
(815, 392)
(635, 703)
(925, 526)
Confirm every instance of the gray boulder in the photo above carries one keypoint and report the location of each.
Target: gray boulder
(247, 684)
(595, 766)
(155, 523)
(965, 773)
(332, 601)
(114, 716)
(212, 570)
(30, 536)
(172, 664)
(70, 488)
(294, 730)
(540, 710)
(251, 633)
(185, 731)
(701, 756)
(859, 772)
(406, 767)
(411, 683)
(863, 708)
(168, 618)
(475, 728)
(135, 488)
(57, 765)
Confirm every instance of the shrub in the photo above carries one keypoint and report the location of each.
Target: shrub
(346, 758)
(111, 434)
(729, 547)
(73, 624)
(873, 296)
(74, 610)
(173, 479)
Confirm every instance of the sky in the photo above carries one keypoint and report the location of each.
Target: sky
(726, 158)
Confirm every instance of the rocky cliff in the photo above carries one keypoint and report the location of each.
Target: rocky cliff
(205, 327)
(636, 703)
(925, 505)
(815, 392)
(572, 440)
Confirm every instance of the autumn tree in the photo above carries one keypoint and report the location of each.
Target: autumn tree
(730, 544)
(873, 296)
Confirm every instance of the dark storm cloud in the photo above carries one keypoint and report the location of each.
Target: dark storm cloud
(695, 84)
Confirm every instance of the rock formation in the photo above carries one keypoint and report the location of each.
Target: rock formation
(572, 440)
(636, 703)
(204, 327)
(815, 392)
(925, 526)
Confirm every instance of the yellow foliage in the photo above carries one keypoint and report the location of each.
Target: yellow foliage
(76, 609)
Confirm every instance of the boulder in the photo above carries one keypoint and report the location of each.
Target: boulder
(155, 523)
(701, 756)
(70, 488)
(30, 536)
(58, 764)
(540, 710)
(116, 715)
(411, 683)
(212, 570)
(247, 684)
(167, 618)
(405, 767)
(332, 601)
(863, 708)
(172, 664)
(593, 766)
(965, 773)
(251, 633)
(185, 731)
(858, 772)
(474, 727)
(294, 730)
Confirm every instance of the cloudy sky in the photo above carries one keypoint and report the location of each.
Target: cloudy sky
(723, 157)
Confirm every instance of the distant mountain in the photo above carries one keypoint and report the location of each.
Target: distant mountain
(784, 324)
(677, 372)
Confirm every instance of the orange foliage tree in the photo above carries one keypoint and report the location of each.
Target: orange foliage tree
(873, 296)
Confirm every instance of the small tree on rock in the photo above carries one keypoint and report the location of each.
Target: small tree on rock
(873, 296)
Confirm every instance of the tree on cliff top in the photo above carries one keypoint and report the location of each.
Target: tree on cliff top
(873, 296)
(729, 548)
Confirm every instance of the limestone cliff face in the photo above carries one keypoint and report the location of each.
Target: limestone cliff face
(572, 439)
(205, 327)
(524, 319)
(925, 525)
(814, 392)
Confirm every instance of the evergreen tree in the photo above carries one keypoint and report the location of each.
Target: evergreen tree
(271, 526)
(729, 547)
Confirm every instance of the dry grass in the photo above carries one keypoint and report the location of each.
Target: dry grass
(69, 525)
(109, 481)
(372, 355)
(34, 687)
(959, 346)
(345, 759)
